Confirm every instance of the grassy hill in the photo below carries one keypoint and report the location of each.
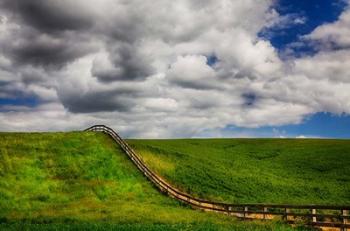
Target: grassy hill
(83, 181)
(296, 171)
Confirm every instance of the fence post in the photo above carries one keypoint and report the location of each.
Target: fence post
(345, 220)
(245, 210)
(286, 211)
(264, 215)
(229, 208)
(313, 212)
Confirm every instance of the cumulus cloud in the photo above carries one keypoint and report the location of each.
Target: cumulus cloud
(146, 68)
(333, 35)
(51, 15)
(192, 72)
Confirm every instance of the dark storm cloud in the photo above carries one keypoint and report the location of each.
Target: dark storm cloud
(96, 102)
(49, 34)
(120, 98)
(49, 15)
(126, 64)
(56, 32)
(47, 52)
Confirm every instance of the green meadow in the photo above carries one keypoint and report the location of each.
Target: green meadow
(83, 181)
(291, 171)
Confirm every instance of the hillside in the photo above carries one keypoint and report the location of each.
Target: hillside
(295, 171)
(83, 181)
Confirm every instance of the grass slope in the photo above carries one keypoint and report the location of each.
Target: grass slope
(297, 171)
(83, 181)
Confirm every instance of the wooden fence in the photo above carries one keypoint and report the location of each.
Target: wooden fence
(313, 215)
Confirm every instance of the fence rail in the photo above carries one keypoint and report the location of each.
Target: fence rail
(314, 215)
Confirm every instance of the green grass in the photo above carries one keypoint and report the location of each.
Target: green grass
(296, 171)
(204, 226)
(83, 181)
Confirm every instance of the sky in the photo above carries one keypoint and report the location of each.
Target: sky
(186, 68)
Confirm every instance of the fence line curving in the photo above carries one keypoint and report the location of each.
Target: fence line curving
(314, 215)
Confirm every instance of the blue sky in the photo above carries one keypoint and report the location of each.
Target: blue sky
(319, 125)
(314, 13)
(18, 101)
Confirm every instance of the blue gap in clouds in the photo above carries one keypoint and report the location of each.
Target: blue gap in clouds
(20, 101)
(249, 99)
(319, 125)
(212, 60)
(316, 12)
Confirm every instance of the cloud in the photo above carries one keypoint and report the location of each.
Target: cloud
(192, 72)
(47, 51)
(278, 23)
(26, 45)
(123, 63)
(333, 35)
(50, 15)
(148, 75)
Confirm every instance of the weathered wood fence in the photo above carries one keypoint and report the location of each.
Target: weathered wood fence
(313, 215)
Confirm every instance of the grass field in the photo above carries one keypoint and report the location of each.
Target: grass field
(296, 171)
(83, 181)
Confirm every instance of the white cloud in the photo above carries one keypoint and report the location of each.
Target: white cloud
(192, 72)
(333, 34)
